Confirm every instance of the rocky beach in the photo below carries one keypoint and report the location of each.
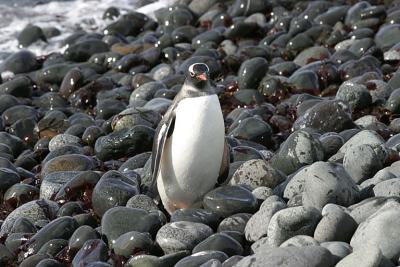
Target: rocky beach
(310, 94)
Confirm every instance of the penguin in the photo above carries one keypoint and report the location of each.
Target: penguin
(190, 155)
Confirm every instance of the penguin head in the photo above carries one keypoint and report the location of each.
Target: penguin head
(199, 75)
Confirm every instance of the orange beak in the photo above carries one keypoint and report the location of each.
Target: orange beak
(202, 77)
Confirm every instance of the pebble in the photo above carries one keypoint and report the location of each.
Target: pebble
(182, 235)
(228, 200)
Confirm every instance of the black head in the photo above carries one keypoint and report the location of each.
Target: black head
(199, 75)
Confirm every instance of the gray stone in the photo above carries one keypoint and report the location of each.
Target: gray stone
(370, 256)
(290, 222)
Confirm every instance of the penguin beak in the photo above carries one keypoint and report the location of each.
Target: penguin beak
(202, 77)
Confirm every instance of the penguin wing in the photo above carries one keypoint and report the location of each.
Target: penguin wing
(164, 130)
(224, 170)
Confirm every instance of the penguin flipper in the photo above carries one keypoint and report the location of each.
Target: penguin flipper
(224, 170)
(163, 131)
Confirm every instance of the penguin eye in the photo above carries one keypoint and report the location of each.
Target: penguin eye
(191, 74)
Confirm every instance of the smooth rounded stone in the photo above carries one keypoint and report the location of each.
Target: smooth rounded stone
(91, 134)
(61, 228)
(120, 220)
(393, 103)
(255, 173)
(311, 54)
(381, 229)
(92, 251)
(248, 96)
(232, 261)
(196, 215)
(135, 162)
(136, 116)
(310, 256)
(262, 193)
(29, 35)
(22, 61)
(207, 36)
(236, 222)
(19, 194)
(113, 189)
(331, 142)
(251, 72)
(153, 261)
(80, 236)
(15, 240)
(132, 241)
(387, 36)
(6, 256)
(33, 260)
(306, 81)
(123, 143)
(363, 161)
(52, 182)
(290, 222)
(86, 219)
(142, 202)
(71, 162)
(52, 247)
(257, 225)
(335, 225)
(337, 249)
(299, 149)
(322, 183)
(387, 188)
(71, 82)
(33, 211)
(370, 256)
(7, 101)
(107, 108)
(182, 235)
(49, 263)
(23, 225)
(212, 263)
(145, 91)
(70, 209)
(159, 105)
(15, 113)
(229, 200)
(326, 116)
(355, 94)
(393, 142)
(8, 178)
(252, 129)
(20, 86)
(64, 150)
(365, 137)
(364, 209)
(300, 241)
(199, 258)
(83, 50)
(220, 242)
(61, 140)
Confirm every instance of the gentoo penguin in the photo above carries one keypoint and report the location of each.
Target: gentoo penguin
(190, 155)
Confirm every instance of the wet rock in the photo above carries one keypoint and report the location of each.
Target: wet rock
(299, 149)
(327, 116)
(257, 173)
(322, 183)
(183, 235)
(126, 142)
(197, 215)
(120, 220)
(202, 257)
(82, 51)
(113, 189)
(29, 35)
(356, 95)
(71, 162)
(93, 250)
(220, 242)
(62, 228)
(251, 72)
(20, 62)
(228, 200)
(257, 226)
